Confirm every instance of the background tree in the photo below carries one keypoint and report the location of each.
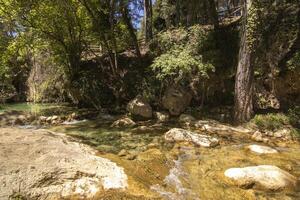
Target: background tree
(148, 19)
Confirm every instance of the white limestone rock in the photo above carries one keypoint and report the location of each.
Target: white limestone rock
(182, 135)
(266, 177)
(261, 149)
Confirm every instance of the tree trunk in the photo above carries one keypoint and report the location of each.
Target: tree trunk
(127, 20)
(178, 13)
(112, 32)
(212, 13)
(148, 19)
(243, 109)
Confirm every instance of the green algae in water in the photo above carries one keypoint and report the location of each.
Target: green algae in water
(110, 140)
(37, 108)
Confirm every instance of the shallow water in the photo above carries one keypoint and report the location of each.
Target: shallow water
(31, 107)
(160, 170)
(194, 172)
(111, 140)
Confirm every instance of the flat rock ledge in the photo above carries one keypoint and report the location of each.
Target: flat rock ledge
(39, 164)
(182, 135)
(266, 177)
(259, 149)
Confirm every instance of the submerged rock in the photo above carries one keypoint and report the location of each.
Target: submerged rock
(124, 122)
(44, 165)
(266, 177)
(181, 135)
(261, 149)
(140, 107)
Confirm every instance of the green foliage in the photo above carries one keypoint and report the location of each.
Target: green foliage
(276, 121)
(294, 116)
(294, 62)
(184, 55)
(271, 121)
(6, 91)
(18, 196)
(90, 88)
(47, 80)
(179, 64)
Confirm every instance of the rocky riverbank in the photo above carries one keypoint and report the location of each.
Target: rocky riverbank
(47, 165)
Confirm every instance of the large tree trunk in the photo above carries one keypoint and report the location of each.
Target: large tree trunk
(243, 110)
(148, 19)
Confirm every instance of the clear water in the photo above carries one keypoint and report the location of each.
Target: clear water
(166, 171)
(30, 107)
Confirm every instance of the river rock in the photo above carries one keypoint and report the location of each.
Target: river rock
(218, 128)
(42, 118)
(54, 118)
(257, 136)
(283, 133)
(17, 121)
(124, 122)
(176, 100)
(123, 153)
(261, 149)
(39, 164)
(185, 118)
(162, 116)
(266, 177)
(140, 107)
(182, 135)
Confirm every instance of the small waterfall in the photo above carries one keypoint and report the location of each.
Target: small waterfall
(174, 188)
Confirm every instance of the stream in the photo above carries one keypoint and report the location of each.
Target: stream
(161, 170)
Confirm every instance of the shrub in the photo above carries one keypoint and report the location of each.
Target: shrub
(179, 64)
(185, 54)
(294, 116)
(271, 121)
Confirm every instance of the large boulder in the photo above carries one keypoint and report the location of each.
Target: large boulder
(181, 135)
(38, 164)
(139, 107)
(266, 177)
(176, 100)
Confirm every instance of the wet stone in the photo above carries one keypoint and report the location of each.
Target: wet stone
(261, 149)
(265, 177)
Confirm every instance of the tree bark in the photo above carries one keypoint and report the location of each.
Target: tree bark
(148, 19)
(243, 109)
